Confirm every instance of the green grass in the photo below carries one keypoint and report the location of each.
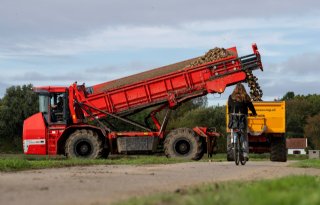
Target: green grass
(255, 157)
(308, 163)
(17, 162)
(20, 162)
(298, 190)
(297, 157)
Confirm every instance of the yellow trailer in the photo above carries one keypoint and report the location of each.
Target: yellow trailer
(266, 131)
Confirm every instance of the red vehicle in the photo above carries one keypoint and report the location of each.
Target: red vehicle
(82, 125)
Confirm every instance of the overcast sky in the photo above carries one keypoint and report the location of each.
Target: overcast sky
(58, 42)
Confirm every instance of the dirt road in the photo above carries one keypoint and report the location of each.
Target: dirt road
(105, 184)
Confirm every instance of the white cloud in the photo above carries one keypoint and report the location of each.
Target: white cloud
(305, 22)
(54, 34)
(298, 73)
(229, 32)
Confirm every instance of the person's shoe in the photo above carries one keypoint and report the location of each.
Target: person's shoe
(246, 156)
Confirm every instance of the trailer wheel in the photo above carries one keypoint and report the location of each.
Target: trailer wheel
(183, 143)
(278, 150)
(84, 144)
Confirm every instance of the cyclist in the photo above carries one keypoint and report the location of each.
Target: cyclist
(238, 104)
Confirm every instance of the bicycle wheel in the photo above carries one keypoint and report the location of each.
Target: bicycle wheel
(243, 160)
(236, 149)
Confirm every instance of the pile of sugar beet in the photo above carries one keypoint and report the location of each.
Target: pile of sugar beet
(211, 55)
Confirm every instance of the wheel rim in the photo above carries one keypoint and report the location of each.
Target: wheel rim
(182, 147)
(83, 148)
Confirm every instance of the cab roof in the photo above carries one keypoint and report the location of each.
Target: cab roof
(50, 89)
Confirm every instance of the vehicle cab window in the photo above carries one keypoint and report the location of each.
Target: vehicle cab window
(57, 105)
(44, 105)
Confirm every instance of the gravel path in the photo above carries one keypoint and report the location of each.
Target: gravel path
(104, 184)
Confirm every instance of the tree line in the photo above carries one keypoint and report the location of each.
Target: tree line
(302, 117)
(18, 103)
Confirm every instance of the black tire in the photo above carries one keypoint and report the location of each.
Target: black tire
(183, 143)
(243, 160)
(278, 149)
(84, 144)
(237, 152)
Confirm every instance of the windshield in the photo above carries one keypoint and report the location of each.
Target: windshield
(44, 104)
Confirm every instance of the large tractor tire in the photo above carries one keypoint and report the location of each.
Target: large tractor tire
(183, 143)
(84, 144)
(278, 150)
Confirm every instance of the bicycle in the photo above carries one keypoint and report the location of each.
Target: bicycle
(238, 150)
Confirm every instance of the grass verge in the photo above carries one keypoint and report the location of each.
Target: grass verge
(308, 163)
(17, 163)
(284, 191)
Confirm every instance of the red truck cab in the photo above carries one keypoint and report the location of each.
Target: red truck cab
(48, 124)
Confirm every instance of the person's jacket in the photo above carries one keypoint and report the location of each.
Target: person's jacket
(238, 112)
(240, 107)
